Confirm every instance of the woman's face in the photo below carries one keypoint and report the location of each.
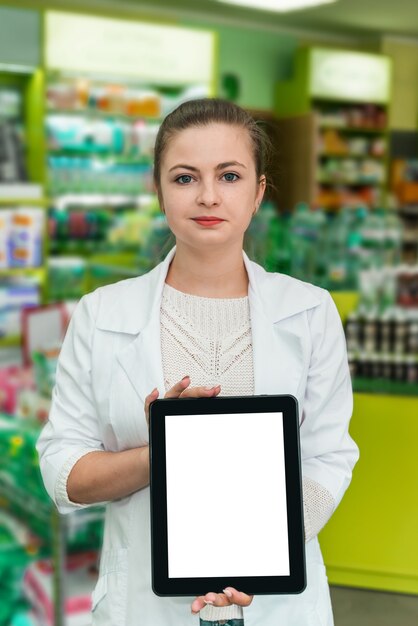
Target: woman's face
(209, 188)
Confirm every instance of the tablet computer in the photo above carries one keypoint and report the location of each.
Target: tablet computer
(226, 495)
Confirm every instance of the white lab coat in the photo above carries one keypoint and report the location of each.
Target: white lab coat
(111, 360)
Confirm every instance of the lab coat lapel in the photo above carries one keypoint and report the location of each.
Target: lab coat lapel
(278, 352)
(273, 350)
(142, 362)
(141, 359)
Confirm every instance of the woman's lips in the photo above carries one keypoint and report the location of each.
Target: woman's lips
(211, 221)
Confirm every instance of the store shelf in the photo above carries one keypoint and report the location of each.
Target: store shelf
(356, 130)
(409, 211)
(105, 154)
(20, 192)
(10, 342)
(361, 157)
(35, 272)
(410, 238)
(384, 386)
(38, 202)
(103, 157)
(89, 200)
(321, 121)
(23, 503)
(98, 114)
(350, 183)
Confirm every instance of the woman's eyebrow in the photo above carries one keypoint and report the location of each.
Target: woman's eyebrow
(184, 167)
(220, 166)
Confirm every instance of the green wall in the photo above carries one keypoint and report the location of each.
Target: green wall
(258, 57)
(20, 36)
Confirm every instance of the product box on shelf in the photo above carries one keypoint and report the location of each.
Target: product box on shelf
(16, 293)
(13, 380)
(80, 580)
(18, 548)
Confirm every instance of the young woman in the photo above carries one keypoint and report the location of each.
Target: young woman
(205, 321)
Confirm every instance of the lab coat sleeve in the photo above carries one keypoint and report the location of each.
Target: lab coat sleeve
(73, 428)
(328, 452)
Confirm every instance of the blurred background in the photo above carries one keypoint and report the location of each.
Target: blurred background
(84, 86)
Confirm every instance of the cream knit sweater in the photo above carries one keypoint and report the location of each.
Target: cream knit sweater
(209, 339)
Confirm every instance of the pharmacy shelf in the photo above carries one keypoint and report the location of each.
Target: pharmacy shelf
(21, 192)
(309, 109)
(35, 272)
(10, 342)
(355, 130)
(52, 528)
(95, 113)
(89, 200)
(23, 503)
(348, 157)
(385, 387)
(102, 157)
(38, 202)
(350, 183)
(411, 210)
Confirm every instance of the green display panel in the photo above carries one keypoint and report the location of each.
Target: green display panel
(153, 53)
(351, 76)
(371, 540)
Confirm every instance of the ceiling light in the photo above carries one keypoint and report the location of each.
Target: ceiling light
(281, 6)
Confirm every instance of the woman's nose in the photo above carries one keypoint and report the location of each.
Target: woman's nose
(208, 194)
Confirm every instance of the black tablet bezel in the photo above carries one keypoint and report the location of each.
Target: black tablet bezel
(162, 585)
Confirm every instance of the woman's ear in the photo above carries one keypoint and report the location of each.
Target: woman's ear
(262, 182)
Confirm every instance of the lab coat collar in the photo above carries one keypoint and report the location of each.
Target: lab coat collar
(136, 301)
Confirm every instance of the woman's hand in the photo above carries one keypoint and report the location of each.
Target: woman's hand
(181, 390)
(229, 596)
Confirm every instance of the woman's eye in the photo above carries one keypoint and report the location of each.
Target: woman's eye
(184, 179)
(230, 177)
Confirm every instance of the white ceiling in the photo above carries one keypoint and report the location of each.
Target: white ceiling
(352, 18)
(346, 19)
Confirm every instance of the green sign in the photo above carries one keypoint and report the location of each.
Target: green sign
(352, 76)
(152, 53)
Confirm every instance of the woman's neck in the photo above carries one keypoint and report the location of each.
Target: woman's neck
(210, 274)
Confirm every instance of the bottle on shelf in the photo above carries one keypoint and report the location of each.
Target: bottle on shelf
(306, 229)
(336, 249)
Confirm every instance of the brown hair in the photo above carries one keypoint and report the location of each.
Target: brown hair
(203, 112)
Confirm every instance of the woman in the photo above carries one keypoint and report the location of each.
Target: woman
(205, 321)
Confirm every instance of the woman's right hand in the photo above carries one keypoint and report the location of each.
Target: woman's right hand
(181, 390)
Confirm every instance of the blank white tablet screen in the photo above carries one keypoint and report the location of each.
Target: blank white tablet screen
(226, 495)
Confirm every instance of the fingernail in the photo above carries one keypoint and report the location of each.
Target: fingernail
(184, 377)
(227, 593)
(208, 601)
(208, 388)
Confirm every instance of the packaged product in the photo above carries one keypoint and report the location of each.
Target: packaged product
(80, 580)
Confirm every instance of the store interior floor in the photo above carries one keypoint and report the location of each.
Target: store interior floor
(361, 607)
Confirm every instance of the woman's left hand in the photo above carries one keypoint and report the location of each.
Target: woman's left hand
(229, 596)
